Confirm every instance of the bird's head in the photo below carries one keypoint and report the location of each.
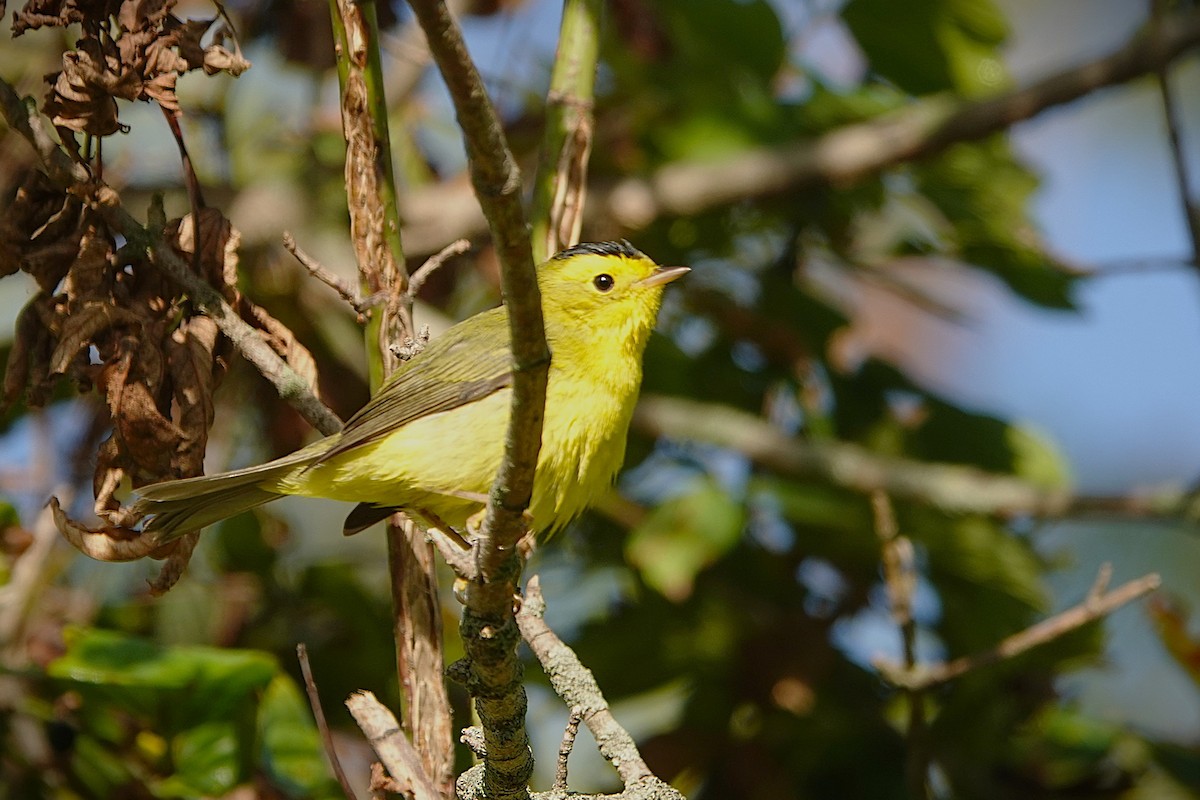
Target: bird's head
(608, 288)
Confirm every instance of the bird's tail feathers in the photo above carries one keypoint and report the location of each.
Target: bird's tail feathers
(173, 508)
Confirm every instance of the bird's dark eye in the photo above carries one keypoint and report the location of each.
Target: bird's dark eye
(603, 281)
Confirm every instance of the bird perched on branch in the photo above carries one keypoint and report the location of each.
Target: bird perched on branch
(431, 440)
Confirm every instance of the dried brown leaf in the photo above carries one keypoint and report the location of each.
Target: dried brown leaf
(104, 543)
(140, 15)
(142, 59)
(31, 344)
(80, 329)
(218, 59)
(173, 568)
(61, 13)
(144, 434)
(90, 275)
(195, 370)
(219, 241)
(40, 231)
(282, 341)
(83, 97)
(110, 474)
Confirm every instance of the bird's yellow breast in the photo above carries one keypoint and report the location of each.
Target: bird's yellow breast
(443, 462)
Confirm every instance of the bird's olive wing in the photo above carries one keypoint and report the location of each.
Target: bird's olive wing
(466, 363)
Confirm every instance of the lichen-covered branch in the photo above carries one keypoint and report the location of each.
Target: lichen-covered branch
(488, 629)
(576, 685)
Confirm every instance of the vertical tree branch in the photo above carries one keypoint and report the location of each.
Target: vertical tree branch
(488, 628)
(375, 232)
(560, 186)
(497, 183)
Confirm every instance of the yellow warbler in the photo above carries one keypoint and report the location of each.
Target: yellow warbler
(430, 441)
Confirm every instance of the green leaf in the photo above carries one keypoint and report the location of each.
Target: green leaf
(291, 752)
(927, 46)
(977, 564)
(1036, 459)
(1067, 750)
(746, 33)
(188, 683)
(985, 194)
(207, 760)
(683, 536)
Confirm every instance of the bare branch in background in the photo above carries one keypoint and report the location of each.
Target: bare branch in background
(946, 486)
(1191, 209)
(1098, 603)
(314, 702)
(843, 156)
(26, 580)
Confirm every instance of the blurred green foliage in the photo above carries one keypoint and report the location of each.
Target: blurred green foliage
(137, 719)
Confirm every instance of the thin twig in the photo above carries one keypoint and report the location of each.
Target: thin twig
(1191, 209)
(576, 685)
(433, 263)
(900, 577)
(564, 749)
(325, 275)
(394, 749)
(1094, 606)
(314, 700)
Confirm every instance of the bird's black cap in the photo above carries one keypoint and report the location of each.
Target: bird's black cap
(618, 248)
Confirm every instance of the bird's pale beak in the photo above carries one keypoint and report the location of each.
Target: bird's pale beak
(664, 275)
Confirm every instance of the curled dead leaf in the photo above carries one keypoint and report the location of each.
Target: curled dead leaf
(54, 14)
(176, 563)
(40, 231)
(31, 346)
(282, 341)
(103, 543)
(219, 242)
(81, 327)
(195, 370)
